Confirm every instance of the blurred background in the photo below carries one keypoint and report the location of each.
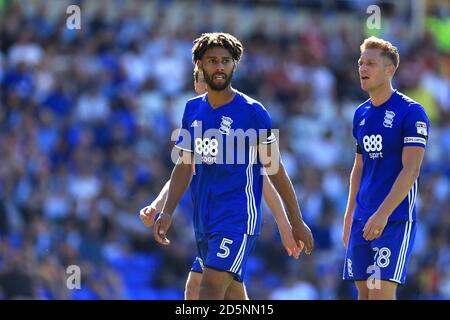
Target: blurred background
(86, 117)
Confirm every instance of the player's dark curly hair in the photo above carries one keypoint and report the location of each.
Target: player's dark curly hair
(217, 39)
(196, 73)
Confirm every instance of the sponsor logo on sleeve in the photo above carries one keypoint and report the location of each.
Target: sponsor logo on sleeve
(421, 128)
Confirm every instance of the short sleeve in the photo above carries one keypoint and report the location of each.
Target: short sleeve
(263, 124)
(416, 127)
(354, 126)
(184, 140)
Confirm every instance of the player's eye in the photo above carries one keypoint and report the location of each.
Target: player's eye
(370, 63)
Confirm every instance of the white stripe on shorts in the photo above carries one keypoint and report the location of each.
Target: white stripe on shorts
(238, 260)
(402, 255)
(251, 204)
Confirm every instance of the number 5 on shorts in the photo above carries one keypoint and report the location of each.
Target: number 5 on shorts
(223, 246)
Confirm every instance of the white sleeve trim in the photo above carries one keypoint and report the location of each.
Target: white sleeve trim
(188, 150)
(269, 142)
(270, 139)
(415, 140)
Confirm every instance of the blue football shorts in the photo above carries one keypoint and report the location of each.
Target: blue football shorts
(197, 265)
(385, 258)
(225, 251)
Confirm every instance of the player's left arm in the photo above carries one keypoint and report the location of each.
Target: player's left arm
(275, 204)
(415, 130)
(269, 156)
(412, 160)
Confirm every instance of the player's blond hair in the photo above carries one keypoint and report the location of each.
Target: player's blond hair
(387, 49)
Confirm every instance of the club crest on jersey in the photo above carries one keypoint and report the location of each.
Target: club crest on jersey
(388, 119)
(225, 125)
(421, 128)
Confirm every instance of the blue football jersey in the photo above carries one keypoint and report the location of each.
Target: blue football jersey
(227, 185)
(381, 133)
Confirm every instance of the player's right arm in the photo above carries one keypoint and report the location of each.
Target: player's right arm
(355, 181)
(179, 181)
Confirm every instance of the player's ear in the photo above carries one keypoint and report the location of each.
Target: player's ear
(389, 67)
(393, 70)
(390, 70)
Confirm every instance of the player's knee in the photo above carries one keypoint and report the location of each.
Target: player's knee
(363, 290)
(386, 291)
(236, 291)
(232, 295)
(192, 287)
(235, 295)
(191, 293)
(363, 295)
(210, 291)
(214, 284)
(210, 284)
(211, 288)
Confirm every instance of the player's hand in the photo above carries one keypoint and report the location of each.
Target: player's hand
(303, 237)
(374, 226)
(147, 215)
(162, 225)
(289, 244)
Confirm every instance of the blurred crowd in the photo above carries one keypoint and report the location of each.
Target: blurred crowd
(86, 118)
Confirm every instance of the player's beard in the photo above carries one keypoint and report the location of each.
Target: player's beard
(210, 82)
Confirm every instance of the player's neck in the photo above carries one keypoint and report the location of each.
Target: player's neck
(380, 95)
(220, 98)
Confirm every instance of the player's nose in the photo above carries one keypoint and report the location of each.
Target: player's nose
(362, 69)
(220, 66)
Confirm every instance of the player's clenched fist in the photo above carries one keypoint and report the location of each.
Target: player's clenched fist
(147, 215)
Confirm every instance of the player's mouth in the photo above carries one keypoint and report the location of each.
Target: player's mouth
(365, 78)
(219, 77)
